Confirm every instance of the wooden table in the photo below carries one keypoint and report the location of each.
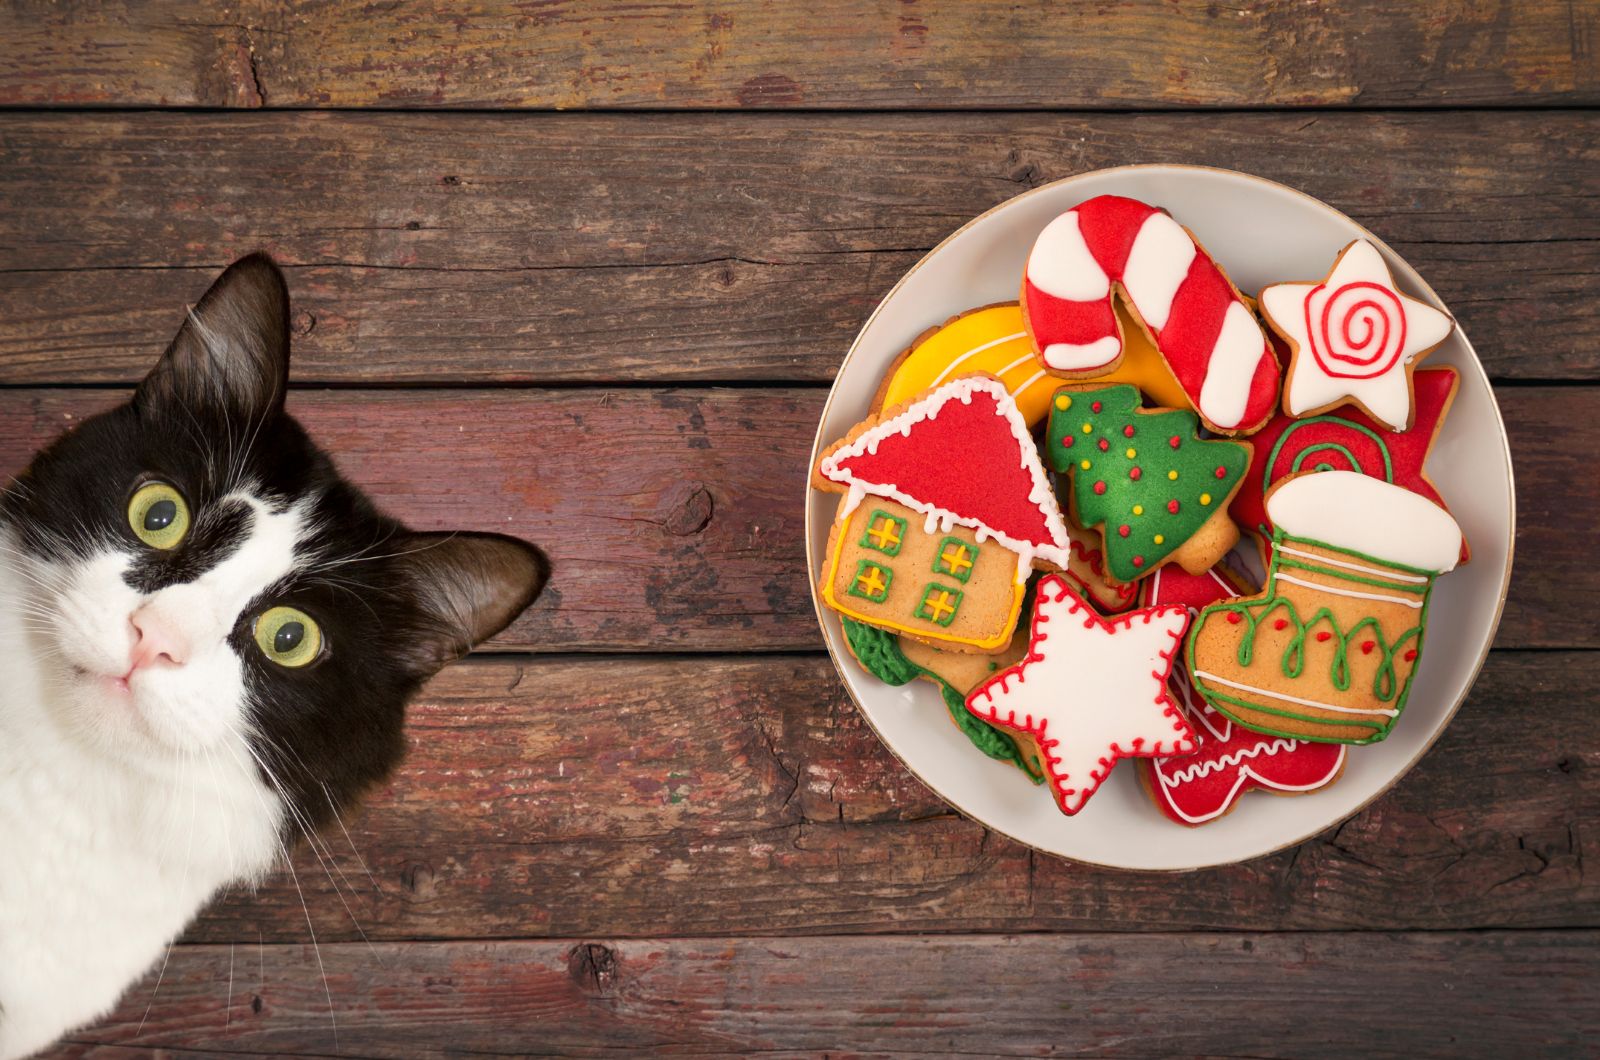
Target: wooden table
(583, 273)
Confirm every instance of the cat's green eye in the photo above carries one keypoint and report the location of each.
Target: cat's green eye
(287, 636)
(158, 515)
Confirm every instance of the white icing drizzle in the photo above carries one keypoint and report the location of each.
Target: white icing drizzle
(1056, 550)
(853, 499)
(1357, 594)
(953, 365)
(1199, 674)
(1028, 382)
(1233, 758)
(1419, 579)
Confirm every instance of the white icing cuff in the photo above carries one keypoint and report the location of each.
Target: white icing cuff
(1067, 357)
(1358, 513)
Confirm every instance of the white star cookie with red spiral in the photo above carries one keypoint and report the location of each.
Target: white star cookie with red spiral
(1354, 337)
(1090, 691)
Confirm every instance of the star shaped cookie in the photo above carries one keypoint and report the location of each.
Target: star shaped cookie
(1354, 338)
(1090, 691)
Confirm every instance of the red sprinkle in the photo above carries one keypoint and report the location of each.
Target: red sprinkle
(1096, 406)
(1066, 441)
(1324, 635)
(1282, 623)
(1412, 654)
(1174, 441)
(1222, 472)
(1123, 530)
(1099, 489)
(1104, 445)
(1235, 617)
(1367, 646)
(1138, 561)
(1172, 506)
(1134, 474)
(1127, 432)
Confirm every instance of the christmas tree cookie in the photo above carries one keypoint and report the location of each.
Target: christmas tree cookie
(1158, 492)
(1327, 651)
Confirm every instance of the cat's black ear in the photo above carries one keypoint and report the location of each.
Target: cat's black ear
(232, 352)
(468, 586)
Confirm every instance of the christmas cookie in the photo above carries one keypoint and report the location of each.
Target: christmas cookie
(946, 510)
(896, 662)
(1087, 569)
(1091, 691)
(1347, 440)
(1327, 651)
(1230, 760)
(1353, 338)
(992, 340)
(1158, 492)
(1192, 313)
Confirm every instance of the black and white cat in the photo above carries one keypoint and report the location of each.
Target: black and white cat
(207, 642)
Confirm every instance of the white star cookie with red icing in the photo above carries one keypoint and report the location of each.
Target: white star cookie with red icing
(1090, 691)
(1354, 337)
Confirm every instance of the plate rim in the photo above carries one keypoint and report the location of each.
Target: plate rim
(817, 444)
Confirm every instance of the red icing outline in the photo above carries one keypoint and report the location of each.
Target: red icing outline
(1109, 224)
(962, 458)
(1054, 588)
(1408, 449)
(1272, 763)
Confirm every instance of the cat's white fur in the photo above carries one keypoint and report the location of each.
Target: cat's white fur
(121, 811)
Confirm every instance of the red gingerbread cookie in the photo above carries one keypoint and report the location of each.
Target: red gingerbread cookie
(1193, 314)
(1230, 760)
(1346, 440)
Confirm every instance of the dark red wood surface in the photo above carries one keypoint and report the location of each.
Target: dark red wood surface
(646, 819)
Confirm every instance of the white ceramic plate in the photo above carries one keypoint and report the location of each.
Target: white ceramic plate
(1261, 233)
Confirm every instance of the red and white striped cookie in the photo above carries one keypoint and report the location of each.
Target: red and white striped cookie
(1194, 315)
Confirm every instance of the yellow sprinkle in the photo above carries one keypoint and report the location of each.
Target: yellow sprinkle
(1160, 540)
(1138, 509)
(1084, 465)
(1173, 475)
(1205, 498)
(1132, 454)
(1088, 428)
(1063, 402)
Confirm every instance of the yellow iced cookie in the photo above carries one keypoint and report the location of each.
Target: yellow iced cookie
(992, 340)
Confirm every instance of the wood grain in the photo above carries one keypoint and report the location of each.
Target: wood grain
(727, 795)
(938, 53)
(627, 248)
(674, 517)
(1489, 994)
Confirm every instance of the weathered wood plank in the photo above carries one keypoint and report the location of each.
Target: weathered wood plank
(1439, 994)
(604, 248)
(731, 795)
(839, 53)
(674, 517)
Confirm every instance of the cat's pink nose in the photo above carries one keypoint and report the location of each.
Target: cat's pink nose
(155, 641)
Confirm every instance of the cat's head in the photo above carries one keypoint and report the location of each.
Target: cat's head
(200, 581)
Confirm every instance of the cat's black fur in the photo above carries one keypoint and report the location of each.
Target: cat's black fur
(394, 606)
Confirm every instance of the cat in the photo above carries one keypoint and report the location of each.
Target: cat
(207, 642)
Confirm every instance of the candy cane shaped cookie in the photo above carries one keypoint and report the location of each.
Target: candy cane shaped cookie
(1192, 312)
